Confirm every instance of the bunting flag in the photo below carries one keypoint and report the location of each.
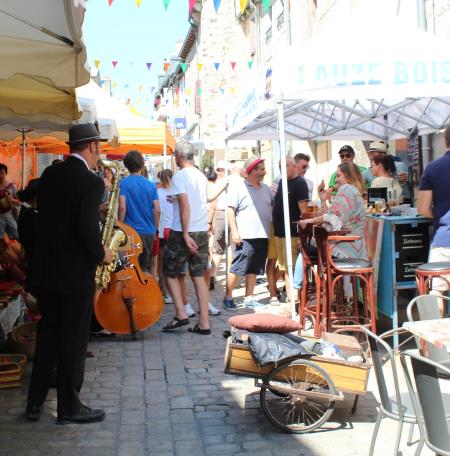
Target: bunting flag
(131, 64)
(110, 2)
(243, 4)
(250, 64)
(222, 90)
(191, 5)
(101, 82)
(149, 65)
(138, 3)
(152, 89)
(188, 92)
(183, 67)
(97, 63)
(233, 90)
(199, 91)
(141, 88)
(114, 84)
(166, 66)
(177, 90)
(166, 4)
(216, 5)
(266, 5)
(128, 101)
(126, 86)
(216, 65)
(233, 65)
(114, 63)
(199, 66)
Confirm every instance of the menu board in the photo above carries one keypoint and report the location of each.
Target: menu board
(412, 243)
(414, 156)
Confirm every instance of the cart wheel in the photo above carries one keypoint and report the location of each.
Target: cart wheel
(298, 396)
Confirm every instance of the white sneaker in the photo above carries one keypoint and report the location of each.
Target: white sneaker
(274, 301)
(189, 310)
(168, 299)
(212, 310)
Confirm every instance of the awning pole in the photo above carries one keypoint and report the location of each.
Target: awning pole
(24, 131)
(287, 221)
(165, 154)
(226, 214)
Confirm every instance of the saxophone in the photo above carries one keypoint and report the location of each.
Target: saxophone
(112, 236)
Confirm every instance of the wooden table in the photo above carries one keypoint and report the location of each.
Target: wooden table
(436, 332)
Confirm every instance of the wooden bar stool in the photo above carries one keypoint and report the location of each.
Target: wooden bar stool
(425, 273)
(310, 293)
(335, 314)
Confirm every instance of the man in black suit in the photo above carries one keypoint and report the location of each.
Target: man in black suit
(62, 269)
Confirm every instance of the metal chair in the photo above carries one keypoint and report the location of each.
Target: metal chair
(428, 401)
(396, 406)
(425, 273)
(427, 308)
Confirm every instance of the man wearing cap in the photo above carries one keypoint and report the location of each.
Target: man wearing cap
(434, 202)
(249, 215)
(347, 155)
(62, 269)
(380, 149)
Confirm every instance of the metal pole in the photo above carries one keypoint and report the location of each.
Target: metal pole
(226, 214)
(165, 151)
(287, 221)
(23, 131)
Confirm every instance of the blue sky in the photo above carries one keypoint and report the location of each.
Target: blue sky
(126, 33)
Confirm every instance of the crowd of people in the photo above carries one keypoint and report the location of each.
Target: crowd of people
(182, 224)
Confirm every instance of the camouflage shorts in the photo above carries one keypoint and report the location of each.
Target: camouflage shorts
(176, 254)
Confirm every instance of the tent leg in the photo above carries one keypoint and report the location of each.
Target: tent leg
(226, 215)
(287, 221)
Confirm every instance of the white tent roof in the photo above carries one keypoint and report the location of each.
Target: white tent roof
(356, 84)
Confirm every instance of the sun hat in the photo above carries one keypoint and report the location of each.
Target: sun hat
(221, 164)
(251, 162)
(84, 133)
(378, 146)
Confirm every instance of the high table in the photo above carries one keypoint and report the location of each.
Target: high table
(396, 246)
(436, 332)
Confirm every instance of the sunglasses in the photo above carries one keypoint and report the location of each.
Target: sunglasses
(305, 167)
(349, 155)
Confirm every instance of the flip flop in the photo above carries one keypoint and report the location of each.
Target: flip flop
(175, 323)
(196, 329)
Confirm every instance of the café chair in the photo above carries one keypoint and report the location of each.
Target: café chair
(428, 401)
(426, 307)
(425, 273)
(335, 315)
(310, 292)
(393, 403)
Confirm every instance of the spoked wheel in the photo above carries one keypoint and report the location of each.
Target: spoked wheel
(298, 396)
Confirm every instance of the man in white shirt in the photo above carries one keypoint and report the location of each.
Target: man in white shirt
(188, 240)
(249, 214)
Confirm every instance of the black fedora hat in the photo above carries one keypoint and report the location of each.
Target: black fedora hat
(84, 133)
(30, 191)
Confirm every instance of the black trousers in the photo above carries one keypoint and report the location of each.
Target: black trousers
(62, 338)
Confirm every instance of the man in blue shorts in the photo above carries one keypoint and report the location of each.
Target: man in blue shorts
(249, 214)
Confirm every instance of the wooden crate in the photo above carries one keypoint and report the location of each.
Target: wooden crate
(351, 377)
(9, 375)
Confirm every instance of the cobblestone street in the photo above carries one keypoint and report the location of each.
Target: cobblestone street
(166, 394)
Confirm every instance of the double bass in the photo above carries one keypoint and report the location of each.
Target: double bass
(127, 299)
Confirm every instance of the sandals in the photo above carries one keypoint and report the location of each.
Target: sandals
(175, 323)
(196, 329)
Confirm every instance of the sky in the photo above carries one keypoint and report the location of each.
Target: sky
(133, 36)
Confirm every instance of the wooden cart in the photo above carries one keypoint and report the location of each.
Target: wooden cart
(298, 395)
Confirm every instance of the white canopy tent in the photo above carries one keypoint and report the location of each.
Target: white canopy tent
(352, 85)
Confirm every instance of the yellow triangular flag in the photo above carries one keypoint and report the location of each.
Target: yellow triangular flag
(200, 66)
(243, 4)
(188, 92)
(97, 63)
(138, 3)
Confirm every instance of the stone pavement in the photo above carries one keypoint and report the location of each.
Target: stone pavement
(166, 394)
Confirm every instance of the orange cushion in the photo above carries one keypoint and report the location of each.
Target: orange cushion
(264, 322)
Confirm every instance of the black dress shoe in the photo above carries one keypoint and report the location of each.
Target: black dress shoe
(85, 415)
(33, 412)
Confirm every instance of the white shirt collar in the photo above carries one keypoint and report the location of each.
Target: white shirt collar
(81, 158)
